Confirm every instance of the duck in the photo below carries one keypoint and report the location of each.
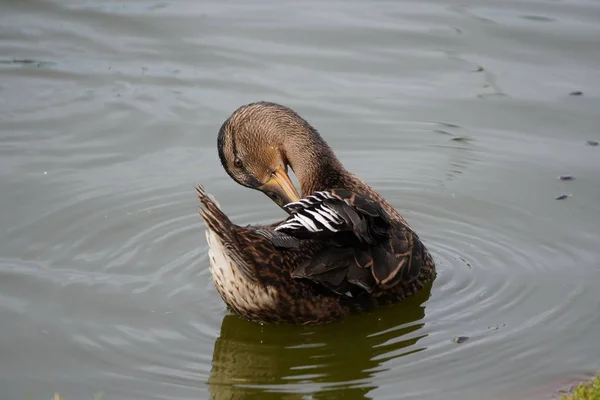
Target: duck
(341, 248)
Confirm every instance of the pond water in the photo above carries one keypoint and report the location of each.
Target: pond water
(459, 113)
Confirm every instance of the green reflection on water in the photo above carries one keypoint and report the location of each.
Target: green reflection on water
(318, 362)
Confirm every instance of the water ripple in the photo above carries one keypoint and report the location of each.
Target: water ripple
(108, 118)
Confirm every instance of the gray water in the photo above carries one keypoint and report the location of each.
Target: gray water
(458, 113)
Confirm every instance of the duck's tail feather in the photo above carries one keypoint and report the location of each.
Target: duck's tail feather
(211, 213)
(218, 224)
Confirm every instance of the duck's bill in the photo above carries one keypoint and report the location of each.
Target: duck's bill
(280, 188)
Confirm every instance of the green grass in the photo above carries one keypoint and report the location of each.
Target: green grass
(97, 396)
(586, 391)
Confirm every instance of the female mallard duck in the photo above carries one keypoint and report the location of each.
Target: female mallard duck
(342, 248)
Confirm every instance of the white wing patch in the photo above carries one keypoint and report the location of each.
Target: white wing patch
(308, 201)
(312, 214)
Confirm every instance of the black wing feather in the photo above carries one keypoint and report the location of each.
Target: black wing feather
(279, 239)
(365, 248)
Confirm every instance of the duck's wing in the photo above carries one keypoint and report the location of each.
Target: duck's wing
(366, 248)
(334, 214)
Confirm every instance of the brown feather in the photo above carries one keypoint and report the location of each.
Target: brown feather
(299, 275)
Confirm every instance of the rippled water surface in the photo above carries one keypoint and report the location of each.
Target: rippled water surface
(459, 113)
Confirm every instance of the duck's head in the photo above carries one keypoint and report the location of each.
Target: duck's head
(258, 143)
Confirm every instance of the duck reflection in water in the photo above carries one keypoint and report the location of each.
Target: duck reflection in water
(341, 359)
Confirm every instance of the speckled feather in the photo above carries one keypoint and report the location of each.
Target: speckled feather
(318, 280)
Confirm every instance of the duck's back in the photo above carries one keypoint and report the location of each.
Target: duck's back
(339, 251)
(351, 245)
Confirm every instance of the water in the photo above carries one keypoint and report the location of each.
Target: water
(458, 113)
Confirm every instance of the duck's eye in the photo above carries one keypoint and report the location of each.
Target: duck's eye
(237, 162)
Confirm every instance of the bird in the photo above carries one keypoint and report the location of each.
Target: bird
(340, 249)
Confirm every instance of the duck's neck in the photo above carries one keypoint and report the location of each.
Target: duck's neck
(314, 164)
